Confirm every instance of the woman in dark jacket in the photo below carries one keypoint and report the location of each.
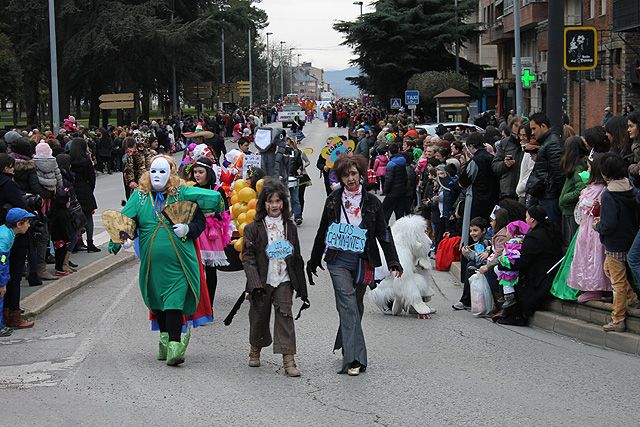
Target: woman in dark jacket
(541, 251)
(347, 208)
(25, 174)
(84, 184)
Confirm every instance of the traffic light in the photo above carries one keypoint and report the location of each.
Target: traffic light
(244, 88)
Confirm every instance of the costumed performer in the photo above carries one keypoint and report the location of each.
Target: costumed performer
(169, 267)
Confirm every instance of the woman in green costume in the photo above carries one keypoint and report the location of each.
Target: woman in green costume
(169, 266)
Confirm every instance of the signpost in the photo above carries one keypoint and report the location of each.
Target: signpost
(412, 98)
(580, 48)
(116, 101)
(244, 87)
(396, 103)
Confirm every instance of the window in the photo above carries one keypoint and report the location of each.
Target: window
(592, 9)
(603, 7)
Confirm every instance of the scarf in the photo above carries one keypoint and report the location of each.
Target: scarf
(351, 201)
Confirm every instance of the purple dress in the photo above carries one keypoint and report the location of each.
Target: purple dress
(587, 268)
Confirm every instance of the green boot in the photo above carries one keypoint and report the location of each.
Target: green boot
(162, 346)
(176, 350)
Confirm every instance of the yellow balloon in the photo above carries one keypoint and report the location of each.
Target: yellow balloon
(259, 185)
(242, 218)
(250, 215)
(246, 194)
(240, 256)
(252, 203)
(242, 208)
(234, 198)
(240, 184)
(236, 210)
(241, 229)
(238, 244)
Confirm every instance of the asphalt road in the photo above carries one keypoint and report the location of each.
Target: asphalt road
(90, 360)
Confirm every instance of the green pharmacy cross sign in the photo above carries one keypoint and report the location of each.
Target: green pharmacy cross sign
(528, 78)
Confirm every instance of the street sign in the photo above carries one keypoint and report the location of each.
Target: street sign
(580, 48)
(396, 103)
(412, 97)
(412, 106)
(488, 82)
(113, 97)
(123, 105)
(525, 62)
(244, 87)
(527, 78)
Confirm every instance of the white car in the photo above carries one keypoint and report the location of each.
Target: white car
(451, 127)
(290, 111)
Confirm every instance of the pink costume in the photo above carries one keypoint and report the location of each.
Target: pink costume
(213, 240)
(587, 268)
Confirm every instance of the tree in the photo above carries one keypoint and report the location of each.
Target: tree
(11, 75)
(431, 83)
(405, 37)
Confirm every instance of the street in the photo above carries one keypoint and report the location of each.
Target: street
(91, 360)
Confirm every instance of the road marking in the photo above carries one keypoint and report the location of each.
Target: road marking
(41, 374)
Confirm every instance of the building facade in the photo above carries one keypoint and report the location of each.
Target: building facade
(308, 81)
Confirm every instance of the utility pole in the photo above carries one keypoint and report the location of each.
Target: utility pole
(554, 68)
(250, 71)
(291, 49)
(281, 74)
(518, 76)
(458, 40)
(55, 107)
(174, 89)
(224, 80)
(359, 3)
(268, 72)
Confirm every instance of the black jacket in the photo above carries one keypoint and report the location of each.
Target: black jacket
(484, 184)
(395, 181)
(509, 177)
(618, 217)
(546, 179)
(11, 196)
(372, 219)
(84, 184)
(26, 177)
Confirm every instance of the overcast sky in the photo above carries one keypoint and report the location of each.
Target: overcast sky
(307, 25)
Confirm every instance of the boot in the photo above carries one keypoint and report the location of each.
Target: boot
(176, 350)
(43, 274)
(162, 346)
(254, 357)
(66, 266)
(15, 320)
(91, 248)
(289, 364)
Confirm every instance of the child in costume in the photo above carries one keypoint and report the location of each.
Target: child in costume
(274, 269)
(508, 278)
(61, 224)
(169, 267)
(17, 221)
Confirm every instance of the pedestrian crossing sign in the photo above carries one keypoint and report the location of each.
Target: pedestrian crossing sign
(396, 103)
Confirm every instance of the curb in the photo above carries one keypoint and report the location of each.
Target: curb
(587, 333)
(44, 298)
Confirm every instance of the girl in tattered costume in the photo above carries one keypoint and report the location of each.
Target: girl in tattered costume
(169, 267)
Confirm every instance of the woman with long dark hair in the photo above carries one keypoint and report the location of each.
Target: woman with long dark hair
(572, 164)
(84, 182)
(616, 131)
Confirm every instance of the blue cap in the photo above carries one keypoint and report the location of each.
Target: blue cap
(17, 214)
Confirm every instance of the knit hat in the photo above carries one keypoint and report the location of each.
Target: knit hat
(11, 136)
(43, 150)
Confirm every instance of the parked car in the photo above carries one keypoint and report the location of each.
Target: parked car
(451, 127)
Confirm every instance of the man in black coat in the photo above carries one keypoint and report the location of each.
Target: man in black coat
(506, 162)
(395, 185)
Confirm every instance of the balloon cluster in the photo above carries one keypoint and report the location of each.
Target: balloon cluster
(243, 208)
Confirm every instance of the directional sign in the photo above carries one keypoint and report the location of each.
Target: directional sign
(412, 97)
(580, 48)
(527, 78)
(396, 103)
(112, 97)
(124, 105)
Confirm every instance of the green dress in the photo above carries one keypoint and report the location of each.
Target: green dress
(559, 288)
(169, 268)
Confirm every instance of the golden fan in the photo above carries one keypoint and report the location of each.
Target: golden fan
(180, 212)
(307, 150)
(119, 226)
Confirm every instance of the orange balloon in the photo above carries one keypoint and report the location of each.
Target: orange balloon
(242, 218)
(241, 228)
(252, 203)
(238, 244)
(259, 185)
(246, 194)
(250, 215)
(240, 184)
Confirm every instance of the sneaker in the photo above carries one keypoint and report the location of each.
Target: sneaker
(615, 326)
(459, 306)
(62, 273)
(298, 221)
(5, 331)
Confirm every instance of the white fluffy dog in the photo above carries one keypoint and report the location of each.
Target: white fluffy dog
(393, 295)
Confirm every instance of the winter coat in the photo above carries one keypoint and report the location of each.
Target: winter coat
(395, 182)
(508, 176)
(48, 172)
(134, 167)
(380, 165)
(479, 176)
(362, 148)
(104, 146)
(295, 163)
(84, 184)
(546, 180)
(571, 189)
(372, 220)
(256, 263)
(11, 196)
(618, 216)
(25, 175)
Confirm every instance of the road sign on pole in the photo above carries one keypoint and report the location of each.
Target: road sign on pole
(412, 97)
(114, 97)
(396, 103)
(580, 48)
(124, 105)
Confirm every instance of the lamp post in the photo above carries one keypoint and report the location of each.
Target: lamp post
(55, 108)
(268, 71)
(250, 69)
(174, 89)
(281, 73)
(359, 3)
(516, 40)
(291, 49)
(457, 40)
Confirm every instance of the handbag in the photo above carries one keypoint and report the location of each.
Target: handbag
(371, 176)
(364, 272)
(304, 180)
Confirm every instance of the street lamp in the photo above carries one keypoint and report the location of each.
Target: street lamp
(281, 73)
(457, 40)
(268, 71)
(291, 49)
(55, 109)
(359, 3)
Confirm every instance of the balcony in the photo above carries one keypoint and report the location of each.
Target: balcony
(495, 35)
(531, 14)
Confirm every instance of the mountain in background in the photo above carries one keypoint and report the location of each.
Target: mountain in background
(339, 83)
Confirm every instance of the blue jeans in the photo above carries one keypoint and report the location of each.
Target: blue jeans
(295, 202)
(633, 259)
(350, 306)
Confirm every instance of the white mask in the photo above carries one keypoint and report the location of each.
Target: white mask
(160, 172)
